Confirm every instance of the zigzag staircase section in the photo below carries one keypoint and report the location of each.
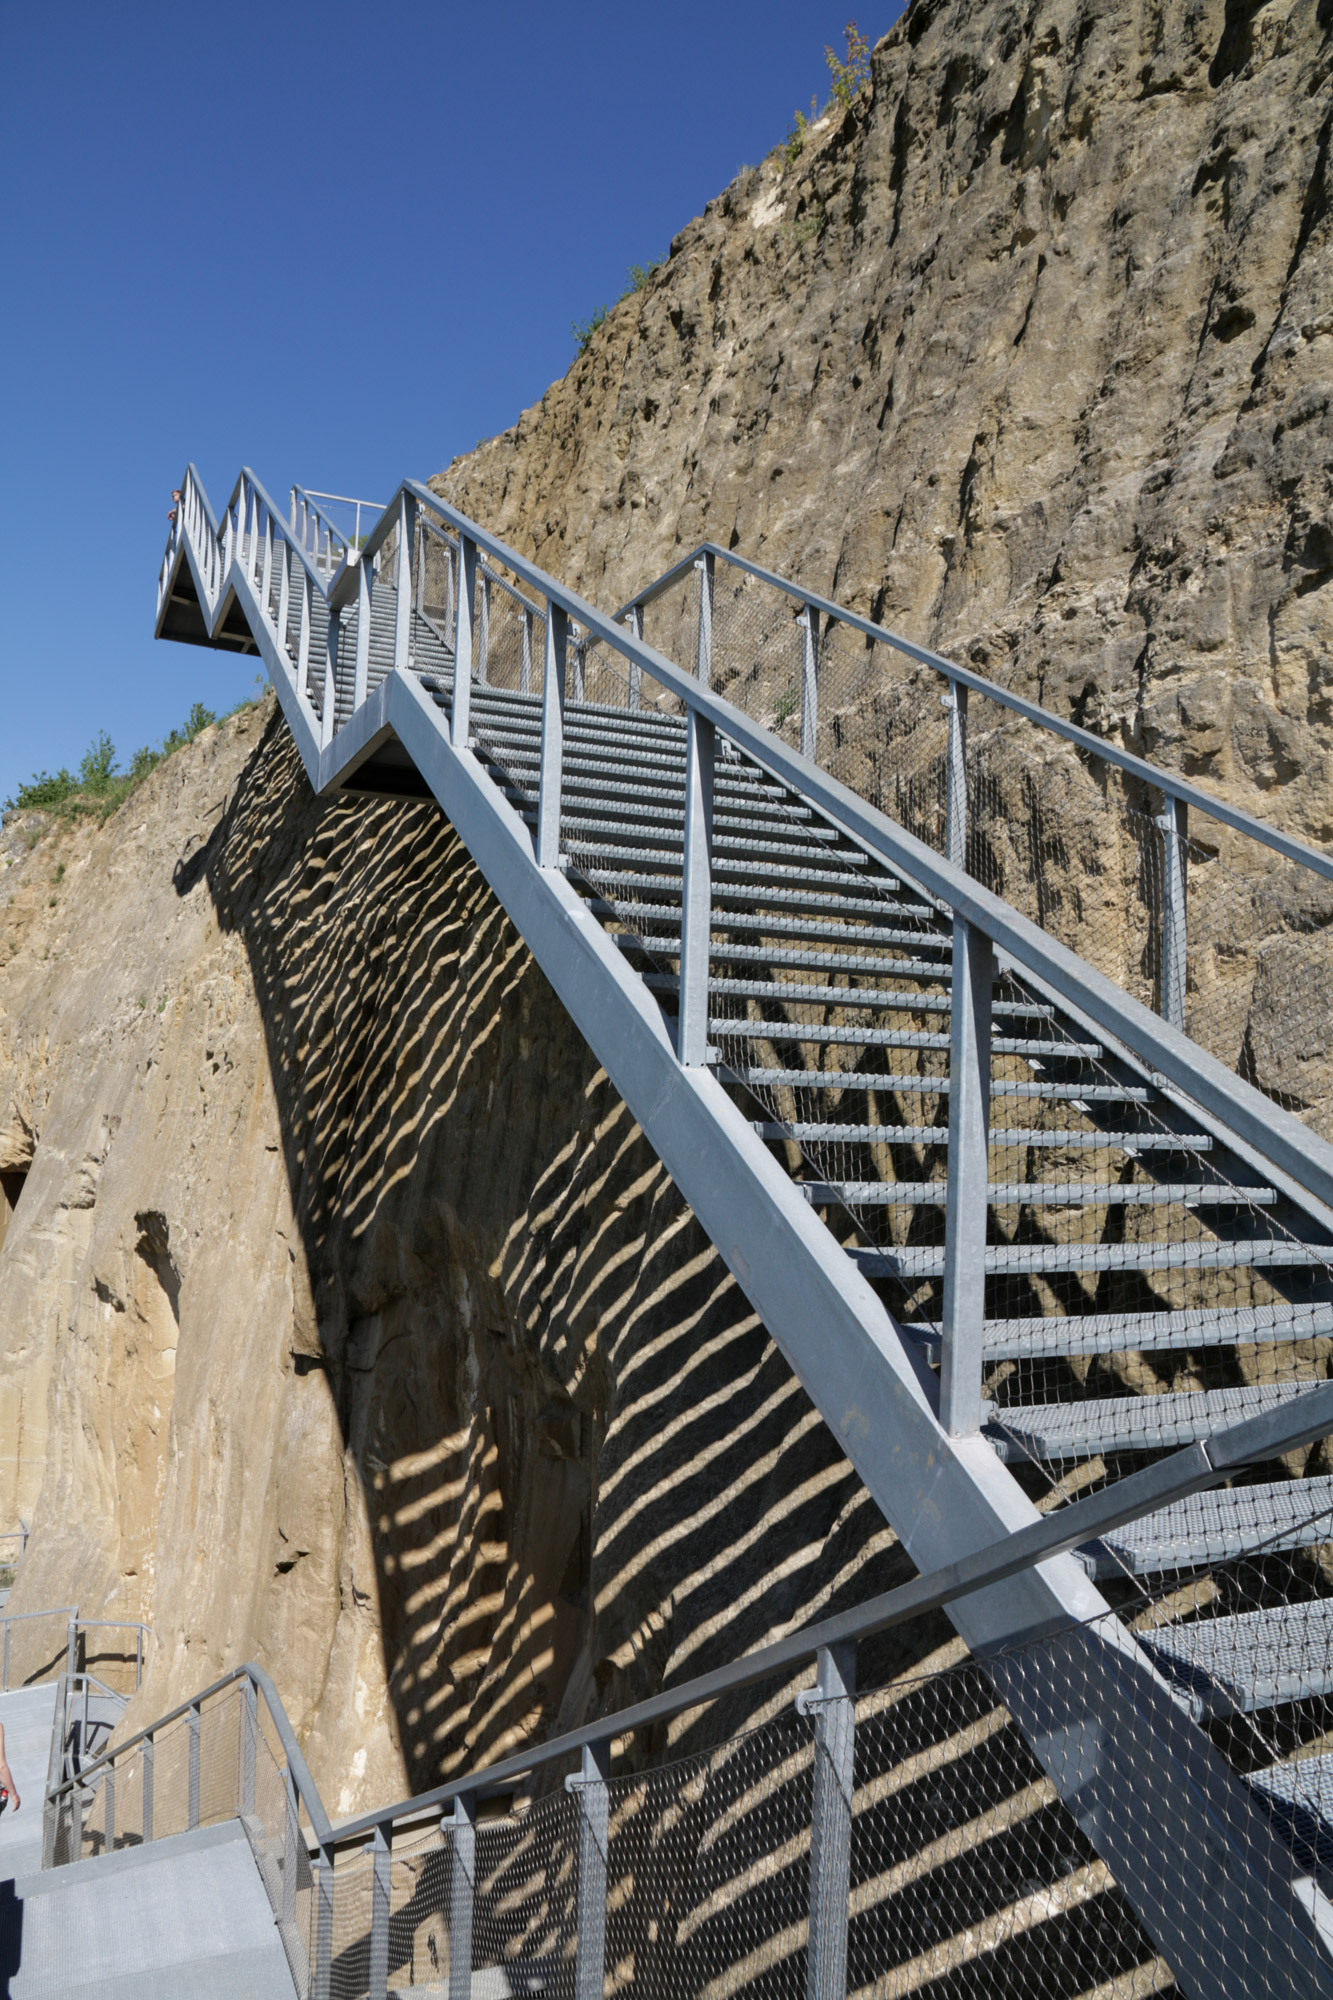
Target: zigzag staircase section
(767, 1039)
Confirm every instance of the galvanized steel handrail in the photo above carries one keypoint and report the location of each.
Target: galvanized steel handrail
(291, 1749)
(1154, 775)
(1194, 1469)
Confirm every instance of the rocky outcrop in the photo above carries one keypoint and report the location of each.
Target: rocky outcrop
(1029, 354)
(347, 1322)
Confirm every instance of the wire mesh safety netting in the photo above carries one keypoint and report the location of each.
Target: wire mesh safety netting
(941, 1850)
(33, 1648)
(1081, 848)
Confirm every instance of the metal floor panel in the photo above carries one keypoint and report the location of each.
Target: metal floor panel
(183, 1916)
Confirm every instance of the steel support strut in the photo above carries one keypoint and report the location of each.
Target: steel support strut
(833, 1707)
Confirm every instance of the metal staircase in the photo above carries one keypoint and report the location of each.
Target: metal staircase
(1016, 1234)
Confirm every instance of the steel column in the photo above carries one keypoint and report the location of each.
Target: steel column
(402, 630)
(832, 1704)
(553, 738)
(955, 803)
(291, 1841)
(329, 718)
(380, 1896)
(1173, 825)
(462, 1890)
(594, 1805)
(969, 1166)
(249, 1744)
(284, 595)
(704, 648)
(809, 680)
(192, 1819)
(696, 915)
(635, 670)
(360, 686)
(322, 1980)
(467, 593)
(305, 587)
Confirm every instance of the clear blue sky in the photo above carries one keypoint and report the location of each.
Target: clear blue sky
(339, 244)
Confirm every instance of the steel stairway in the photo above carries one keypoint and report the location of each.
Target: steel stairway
(1151, 1272)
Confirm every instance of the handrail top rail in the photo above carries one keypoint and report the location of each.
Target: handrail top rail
(1155, 775)
(1190, 1470)
(56, 1611)
(1277, 1135)
(296, 1762)
(343, 499)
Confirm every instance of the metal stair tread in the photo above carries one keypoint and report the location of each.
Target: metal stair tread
(1252, 1660)
(1043, 1194)
(1055, 1431)
(1216, 1527)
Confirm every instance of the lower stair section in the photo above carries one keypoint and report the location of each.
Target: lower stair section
(184, 1916)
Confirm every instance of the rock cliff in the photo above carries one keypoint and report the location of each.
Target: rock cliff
(346, 1320)
(1028, 354)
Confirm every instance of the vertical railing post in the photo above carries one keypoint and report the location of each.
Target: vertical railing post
(291, 511)
(705, 566)
(553, 738)
(252, 561)
(284, 594)
(146, 1818)
(138, 1659)
(450, 594)
(249, 1743)
(402, 629)
(109, 1808)
(266, 582)
(635, 670)
(322, 1982)
(6, 1673)
(696, 905)
(462, 1830)
(76, 1821)
(1173, 825)
(360, 687)
(955, 800)
(832, 1704)
(331, 643)
(579, 649)
(965, 1213)
(809, 680)
(461, 715)
(380, 1893)
(291, 1840)
(72, 1644)
(484, 631)
(594, 1807)
(192, 1800)
(525, 660)
(228, 538)
(305, 586)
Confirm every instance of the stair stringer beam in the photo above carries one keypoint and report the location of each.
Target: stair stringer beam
(1186, 1841)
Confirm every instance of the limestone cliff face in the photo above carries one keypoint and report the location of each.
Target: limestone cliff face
(346, 1320)
(1030, 355)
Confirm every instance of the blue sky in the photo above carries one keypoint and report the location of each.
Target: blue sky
(339, 244)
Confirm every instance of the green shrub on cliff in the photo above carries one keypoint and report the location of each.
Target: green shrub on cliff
(99, 786)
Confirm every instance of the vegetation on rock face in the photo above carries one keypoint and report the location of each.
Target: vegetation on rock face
(99, 786)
